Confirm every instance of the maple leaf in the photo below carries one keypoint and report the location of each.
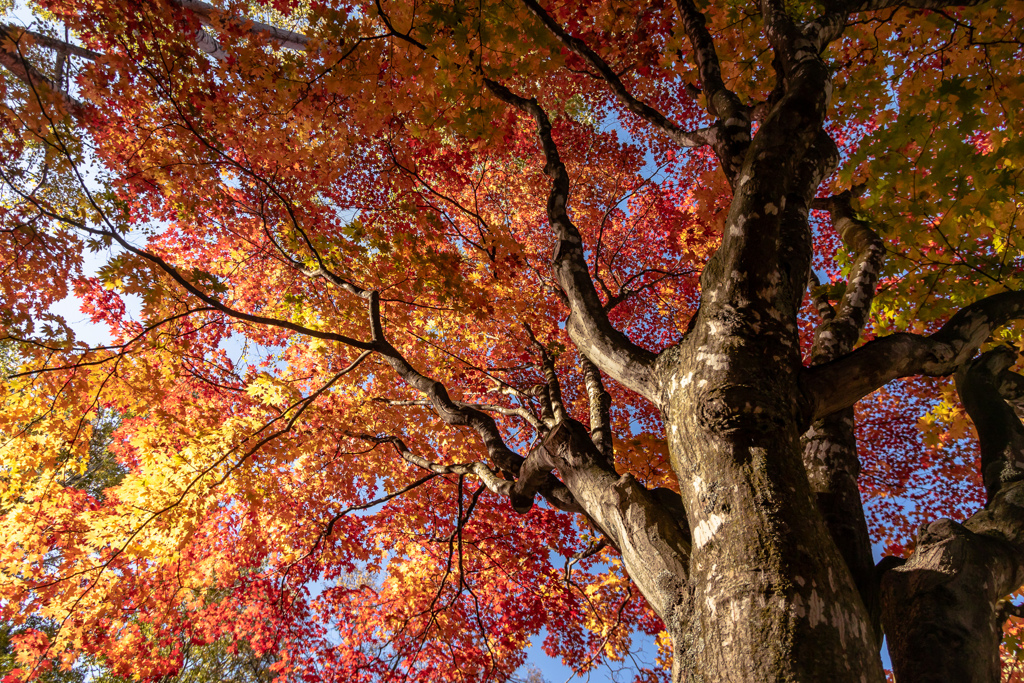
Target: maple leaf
(431, 327)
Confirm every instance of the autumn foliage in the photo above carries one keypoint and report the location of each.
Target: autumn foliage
(221, 186)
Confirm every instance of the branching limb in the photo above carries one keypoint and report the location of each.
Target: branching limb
(819, 298)
(844, 381)
(730, 136)
(60, 46)
(839, 334)
(873, 5)
(830, 25)
(457, 414)
(721, 102)
(487, 476)
(642, 109)
(14, 60)
(950, 589)
(588, 324)
(547, 414)
(520, 412)
(999, 428)
(624, 511)
(829, 447)
(554, 389)
(591, 550)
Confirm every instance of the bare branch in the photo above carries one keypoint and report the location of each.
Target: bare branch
(600, 408)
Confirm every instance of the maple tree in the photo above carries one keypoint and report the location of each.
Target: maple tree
(436, 324)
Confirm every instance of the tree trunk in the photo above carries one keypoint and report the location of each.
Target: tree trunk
(941, 609)
(772, 598)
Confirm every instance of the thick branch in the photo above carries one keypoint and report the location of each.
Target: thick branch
(553, 395)
(819, 298)
(50, 42)
(949, 592)
(830, 445)
(721, 102)
(486, 475)
(828, 27)
(873, 5)
(519, 412)
(999, 428)
(653, 541)
(844, 381)
(588, 323)
(600, 409)
(730, 136)
(839, 335)
(210, 16)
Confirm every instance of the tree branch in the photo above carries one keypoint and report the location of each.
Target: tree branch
(14, 60)
(830, 445)
(950, 589)
(209, 15)
(588, 323)
(999, 429)
(730, 137)
(642, 109)
(830, 25)
(554, 389)
(50, 42)
(844, 381)
(520, 412)
(839, 335)
(600, 409)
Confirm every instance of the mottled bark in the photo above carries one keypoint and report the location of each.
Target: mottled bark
(844, 381)
(600, 403)
(653, 542)
(830, 445)
(588, 323)
(759, 565)
(833, 466)
(941, 608)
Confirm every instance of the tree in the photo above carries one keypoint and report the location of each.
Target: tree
(535, 315)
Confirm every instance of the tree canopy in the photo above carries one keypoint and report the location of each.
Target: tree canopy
(435, 325)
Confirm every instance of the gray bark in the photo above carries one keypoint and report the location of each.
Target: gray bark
(760, 567)
(941, 609)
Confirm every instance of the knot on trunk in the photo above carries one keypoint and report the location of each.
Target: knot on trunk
(740, 408)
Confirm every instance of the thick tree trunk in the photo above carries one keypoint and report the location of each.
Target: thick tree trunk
(772, 597)
(941, 609)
